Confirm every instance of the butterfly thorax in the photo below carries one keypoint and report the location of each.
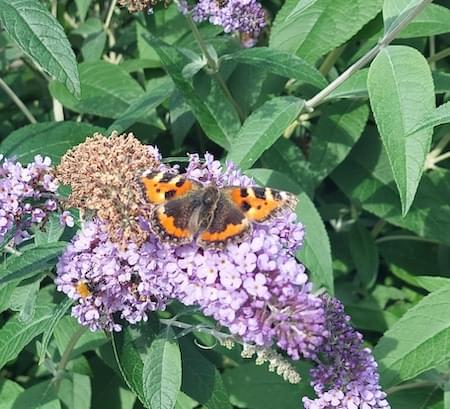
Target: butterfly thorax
(205, 204)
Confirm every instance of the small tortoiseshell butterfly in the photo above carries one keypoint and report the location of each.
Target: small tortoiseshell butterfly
(186, 210)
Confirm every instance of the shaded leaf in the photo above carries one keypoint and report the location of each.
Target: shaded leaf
(217, 117)
(365, 177)
(143, 106)
(255, 387)
(201, 380)
(364, 252)
(41, 37)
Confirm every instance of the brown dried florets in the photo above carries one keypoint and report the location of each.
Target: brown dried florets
(103, 173)
(135, 6)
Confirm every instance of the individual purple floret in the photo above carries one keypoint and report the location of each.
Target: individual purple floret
(24, 195)
(243, 16)
(255, 288)
(347, 376)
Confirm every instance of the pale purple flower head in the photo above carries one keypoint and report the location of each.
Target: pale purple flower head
(23, 190)
(243, 16)
(255, 288)
(347, 375)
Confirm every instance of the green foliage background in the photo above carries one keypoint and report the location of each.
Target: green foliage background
(368, 158)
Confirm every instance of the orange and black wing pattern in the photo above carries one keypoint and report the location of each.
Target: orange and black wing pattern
(229, 224)
(260, 204)
(160, 187)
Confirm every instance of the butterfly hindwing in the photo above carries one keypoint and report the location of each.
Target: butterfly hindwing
(228, 224)
(260, 204)
(173, 221)
(160, 187)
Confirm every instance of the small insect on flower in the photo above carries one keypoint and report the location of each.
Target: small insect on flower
(216, 216)
(83, 289)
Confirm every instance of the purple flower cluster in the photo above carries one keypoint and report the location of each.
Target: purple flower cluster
(244, 16)
(255, 288)
(27, 195)
(105, 280)
(347, 376)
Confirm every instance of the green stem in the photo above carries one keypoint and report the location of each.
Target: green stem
(369, 56)
(66, 355)
(409, 386)
(331, 59)
(379, 226)
(17, 101)
(405, 237)
(212, 65)
(439, 56)
(201, 328)
(110, 14)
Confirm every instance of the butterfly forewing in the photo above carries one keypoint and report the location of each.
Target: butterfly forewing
(260, 204)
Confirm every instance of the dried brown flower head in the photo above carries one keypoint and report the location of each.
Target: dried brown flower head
(135, 6)
(103, 174)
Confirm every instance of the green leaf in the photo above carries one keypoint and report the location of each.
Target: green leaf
(129, 361)
(255, 387)
(201, 380)
(262, 128)
(83, 7)
(57, 316)
(161, 373)
(354, 87)
(316, 251)
(402, 95)
(30, 262)
(75, 391)
(15, 335)
(39, 396)
(9, 391)
(216, 116)
(440, 116)
(106, 90)
(418, 341)
(51, 232)
(41, 37)
(24, 300)
(279, 62)
(5, 295)
(364, 252)
(366, 178)
(432, 283)
(421, 397)
(319, 26)
(339, 128)
(93, 46)
(433, 20)
(65, 329)
(52, 139)
(144, 106)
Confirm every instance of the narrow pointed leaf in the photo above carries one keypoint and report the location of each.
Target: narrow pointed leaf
(262, 128)
(402, 95)
(280, 63)
(440, 116)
